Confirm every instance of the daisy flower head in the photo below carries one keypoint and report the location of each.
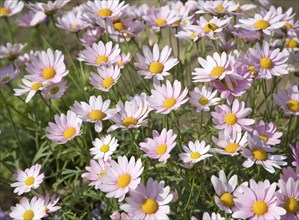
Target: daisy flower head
(31, 19)
(155, 64)
(8, 73)
(123, 59)
(35, 209)
(288, 99)
(65, 128)
(11, 8)
(28, 179)
(232, 119)
(104, 147)
(72, 21)
(190, 32)
(258, 201)
(105, 78)
(203, 99)
(123, 176)
(160, 146)
(167, 97)
(288, 198)
(49, 8)
(96, 171)
(30, 87)
(258, 152)
(47, 67)
(55, 90)
(11, 51)
(267, 132)
(295, 151)
(100, 54)
(132, 114)
(26, 57)
(96, 111)
(268, 62)
(149, 201)
(289, 173)
(213, 216)
(91, 36)
(195, 152)
(50, 202)
(230, 145)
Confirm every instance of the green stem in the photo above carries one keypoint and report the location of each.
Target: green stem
(190, 194)
(8, 27)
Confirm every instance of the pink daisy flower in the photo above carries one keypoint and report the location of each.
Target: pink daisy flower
(104, 147)
(8, 73)
(100, 54)
(28, 179)
(213, 216)
(91, 36)
(50, 202)
(47, 67)
(72, 20)
(160, 146)
(11, 8)
(106, 77)
(30, 87)
(27, 57)
(11, 51)
(288, 99)
(65, 128)
(288, 173)
(258, 152)
(288, 198)
(123, 59)
(119, 216)
(96, 111)
(32, 19)
(149, 202)
(195, 152)
(295, 150)
(49, 8)
(258, 202)
(123, 176)
(167, 97)
(232, 120)
(155, 64)
(203, 99)
(190, 32)
(55, 90)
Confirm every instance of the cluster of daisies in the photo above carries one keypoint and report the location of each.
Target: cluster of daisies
(247, 52)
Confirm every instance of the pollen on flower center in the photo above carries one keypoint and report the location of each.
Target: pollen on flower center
(227, 199)
(193, 36)
(195, 155)
(288, 25)
(266, 63)
(119, 26)
(292, 43)
(100, 173)
(69, 133)
(29, 181)
(230, 119)
(4, 11)
(74, 26)
(169, 103)
(161, 149)
(28, 215)
(264, 137)
(261, 24)
(254, 72)
(217, 71)
(293, 105)
(103, 59)
(36, 86)
(49, 73)
(129, 121)
(220, 8)
(120, 63)
(210, 27)
(124, 180)
(54, 90)
(5, 79)
(105, 148)
(160, 21)
(105, 12)
(96, 115)
(291, 205)
(107, 82)
(150, 206)
(232, 147)
(156, 67)
(203, 101)
(259, 154)
(260, 208)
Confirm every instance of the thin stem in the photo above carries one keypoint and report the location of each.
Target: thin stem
(8, 27)
(51, 110)
(190, 194)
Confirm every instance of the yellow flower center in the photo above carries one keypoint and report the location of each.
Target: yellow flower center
(217, 71)
(103, 59)
(28, 215)
(292, 43)
(96, 115)
(124, 180)
(74, 26)
(4, 11)
(291, 205)
(220, 8)
(288, 25)
(232, 147)
(169, 103)
(195, 155)
(156, 67)
(227, 199)
(69, 133)
(160, 21)
(203, 101)
(49, 73)
(29, 181)
(102, 172)
(193, 36)
(119, 26)
(264, 137)
(266, 63)
(36, 86)
(5, 79)
(210, 27)
(259, 154)
(237, 9)
(129, 121)
(120, 63)
(105, 148)
(105, 12)
(261, 24)
(54, 90)
(107, 82)
(149, 206)
(254, 72)
(230, 119)
(293, 105)
(260, 208)
(161, 149)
